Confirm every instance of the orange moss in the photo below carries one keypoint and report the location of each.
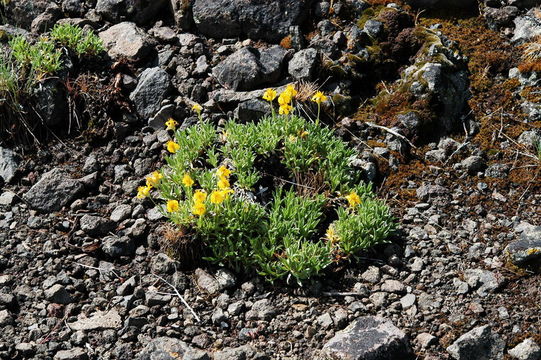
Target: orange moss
(286, 42)
(530, 66)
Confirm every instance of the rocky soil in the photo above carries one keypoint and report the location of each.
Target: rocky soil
(434, 95)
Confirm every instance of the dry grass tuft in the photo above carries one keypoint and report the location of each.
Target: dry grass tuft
(180, 244)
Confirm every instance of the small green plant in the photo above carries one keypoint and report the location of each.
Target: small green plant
(278, 197)
(35, 60)
(77, 40)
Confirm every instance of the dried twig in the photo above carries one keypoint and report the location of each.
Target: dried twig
(180, 296)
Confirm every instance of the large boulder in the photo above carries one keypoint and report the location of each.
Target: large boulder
(255, 19)
(478, 344)
(249, 68)
(368, 338)
(152, 86)
(126, 40)
(54, 190)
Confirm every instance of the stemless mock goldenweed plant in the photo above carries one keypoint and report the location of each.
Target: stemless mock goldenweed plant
(278, 197)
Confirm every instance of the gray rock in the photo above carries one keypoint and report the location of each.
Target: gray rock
(497, 171)
(51, 101)
(140, 11)
(261, 310)
(207, 282)
(267, 20)
(526, 251)
(373, 28)
(58, 294)
(74, 8)
(244, 352)
(72, 354)
(201, 66)
(500, 17)
(527, 27)
(303, 64)
(251, 110)
(53, 191)
(249, 68)
(9, 163)
(98, 321)
(473, 164)
(126, 40)
(424, 340)
(371, 275)
(478, 344)
(368, 338)
(121, 212)
(164, 348)
(225, 278)
(393, 286)
(426, 191)
(23, 12)
(407, 301)
(526, 350)
(152, 86)
(95, 225)
(325, 321)
(25, 349)
(5, 318)
(45, 21)
(116, 246)
(163, 264)
(485, 281)
(529, 138)
(378, 298)
(127, 286)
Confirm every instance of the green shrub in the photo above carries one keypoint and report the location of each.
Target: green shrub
(74, 38)
(278, 197)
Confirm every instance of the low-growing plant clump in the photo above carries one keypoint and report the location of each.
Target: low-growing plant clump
(33, 69)
(279, 197)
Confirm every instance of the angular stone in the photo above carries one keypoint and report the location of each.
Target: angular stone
(58, 294)
(53, 191)
(72, 354)
(151, 89)
(526, 350)
(207, 282)
(98, 321)
(164, 348)
(485, 281)
(478, 344)
(368, 338)
(255, 19)
(526, 251)
(126, 40)
(9, 163)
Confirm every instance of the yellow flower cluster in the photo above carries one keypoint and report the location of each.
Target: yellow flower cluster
(151, 181)
(353, 199)
(171, 124)
(284, 100)
(172, 147)
(319, 97)
(199, 207)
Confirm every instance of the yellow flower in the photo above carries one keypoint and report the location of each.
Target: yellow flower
(269, 95)
(143, 191)
(303, 134)
(285, 109)
(171, 124)
(218, 197)
(199, 209)
(199, 196)
(223, 183)
(154, 178)
(353, 199)
(172, 147)
(187, 180)
(284, 98)
(223, 171)
(331, 235)
(290, 89)
(292, 138)
(319, 97)
(172, 206)
(197, 108)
